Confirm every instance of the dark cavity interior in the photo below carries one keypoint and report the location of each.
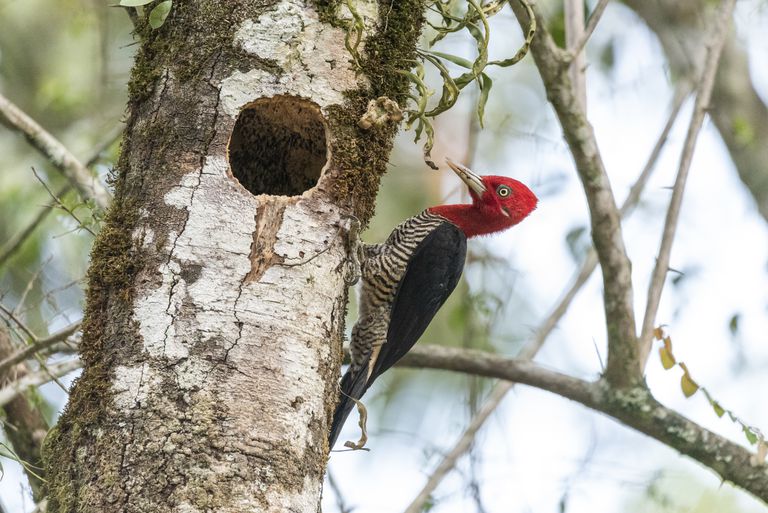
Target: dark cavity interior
(278, 146)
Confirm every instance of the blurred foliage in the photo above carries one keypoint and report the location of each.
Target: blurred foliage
(66, 64)
(672, 491)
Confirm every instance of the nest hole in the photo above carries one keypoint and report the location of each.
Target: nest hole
(278, 146)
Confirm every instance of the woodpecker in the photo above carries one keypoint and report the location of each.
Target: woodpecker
(407, 279)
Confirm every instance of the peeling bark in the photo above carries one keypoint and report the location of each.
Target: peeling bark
(214, 319)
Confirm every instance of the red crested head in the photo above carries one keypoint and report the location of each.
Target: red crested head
(498, 203)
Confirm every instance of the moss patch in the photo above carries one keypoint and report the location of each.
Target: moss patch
(361, 155)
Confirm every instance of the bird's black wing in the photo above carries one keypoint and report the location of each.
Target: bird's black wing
(431, 275)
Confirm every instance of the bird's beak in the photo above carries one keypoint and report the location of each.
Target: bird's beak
(472, 180)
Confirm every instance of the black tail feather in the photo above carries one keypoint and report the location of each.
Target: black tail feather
(353, 385)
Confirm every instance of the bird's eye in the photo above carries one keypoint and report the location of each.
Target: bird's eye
(503, 191)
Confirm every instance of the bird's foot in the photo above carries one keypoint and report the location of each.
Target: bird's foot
(360, 444)
(353, 269)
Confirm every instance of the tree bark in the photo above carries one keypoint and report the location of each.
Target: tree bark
(216, 299)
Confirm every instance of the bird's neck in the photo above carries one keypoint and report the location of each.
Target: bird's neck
(472, 220)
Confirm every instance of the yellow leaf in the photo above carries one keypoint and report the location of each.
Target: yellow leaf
(667, 360)
(658, 333)
(687, 383)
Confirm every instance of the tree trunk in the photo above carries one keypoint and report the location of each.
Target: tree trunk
(216, 299)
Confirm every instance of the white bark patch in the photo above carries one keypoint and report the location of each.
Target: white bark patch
(315, 63)
(274, 331)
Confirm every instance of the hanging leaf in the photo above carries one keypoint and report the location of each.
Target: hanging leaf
(658, 333)
(719, 410)
(459, 61)
(667, 360)
(135, 3)
(687, 383)
(159, 14)
(485, 83)
(751, 435)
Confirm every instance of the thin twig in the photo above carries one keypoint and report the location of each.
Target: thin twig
(23, 327)
(340, 503)
(89, 186)
(34, 379)
(61, 204)
(578, 47)
(545, 328)
(38, 345)
(704, 93)
(15, 242)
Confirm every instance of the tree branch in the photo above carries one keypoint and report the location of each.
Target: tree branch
(573, 10)
(704, 93)
(594, 18)
(38, 345)
(737, 110)
(634, 407)
(545, 328)
(57, 370)
(80, 177)
(622, 369)
(15, 242)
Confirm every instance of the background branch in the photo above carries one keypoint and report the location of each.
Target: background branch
(704, 93)
(635, 408)
(56, 370)
(81, 178)
(622, 369)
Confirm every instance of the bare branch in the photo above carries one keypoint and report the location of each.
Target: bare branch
(15, 242)
(61, 204)
(81, 178)
(704, 93)
(552, 62)
(23, 327)
(545, 328)
(38, 345)
(578, 47)
(34, 379)
(634, 407)
(574, 32)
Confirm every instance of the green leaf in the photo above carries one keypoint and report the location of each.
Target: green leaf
(134, 3)
(719, 410)
(459, 61)
(751, 436)
(159, 14)
(485, 83)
